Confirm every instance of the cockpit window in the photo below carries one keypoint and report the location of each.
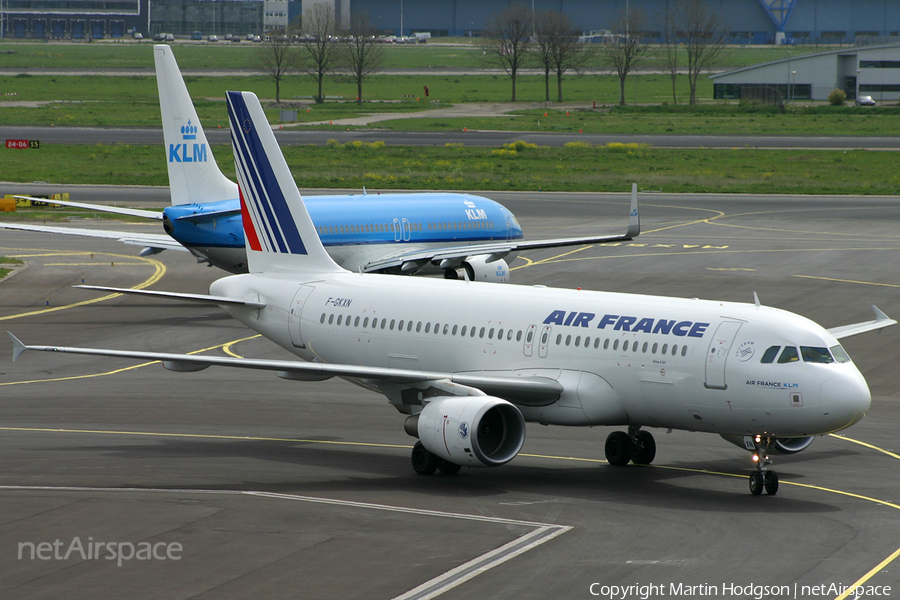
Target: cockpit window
(840, 354)
(770, 354)
(815, 355)
(789, 354)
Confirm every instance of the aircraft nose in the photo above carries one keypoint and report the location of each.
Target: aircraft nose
(845, 399)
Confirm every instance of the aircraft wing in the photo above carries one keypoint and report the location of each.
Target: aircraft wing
(150, 240)
(131, 212)
(881, 321)
(525, 389)
(453, 256)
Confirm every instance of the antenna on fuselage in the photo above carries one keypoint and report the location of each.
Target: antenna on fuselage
(756, 300)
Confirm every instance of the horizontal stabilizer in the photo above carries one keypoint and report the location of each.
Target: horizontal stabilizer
(131, 212)
(881, 321)
(151, 240)
(529, 390)
(201, 298)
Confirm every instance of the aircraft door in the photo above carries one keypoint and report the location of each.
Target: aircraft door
(717, 355)
(544, 342)
(406, 230)
(398, 232)
(297, 305)
(529, 340)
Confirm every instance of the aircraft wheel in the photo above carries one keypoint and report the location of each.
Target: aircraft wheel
(770, 481)
(618, 448)
(756, 483)
(645, 450)
(448, 468)
(423, 461)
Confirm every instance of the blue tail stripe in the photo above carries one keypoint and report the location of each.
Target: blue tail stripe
(256, 204)
(269, 197)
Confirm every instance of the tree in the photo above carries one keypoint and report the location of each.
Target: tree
(507, 40)
(558, 49)
(318, 46)
(705, 35)
(624, 51)
(277, 58)
(362, 56)
(669, 32)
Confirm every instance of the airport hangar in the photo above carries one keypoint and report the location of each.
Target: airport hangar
(860, 71)
(830, 22)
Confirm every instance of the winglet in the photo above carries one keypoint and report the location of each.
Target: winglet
(634, 218)
(194, 175)
(881, 321)
(279, 232)
(18, 346)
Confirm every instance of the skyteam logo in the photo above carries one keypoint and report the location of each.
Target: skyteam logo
(188, 152)
(463, 430)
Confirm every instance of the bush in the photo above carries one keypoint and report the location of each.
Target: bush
(837, 97)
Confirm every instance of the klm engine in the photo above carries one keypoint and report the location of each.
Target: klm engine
(477, 268)
(472, 431)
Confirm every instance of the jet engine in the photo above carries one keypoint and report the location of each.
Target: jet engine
(477, 268)
(472, 431)
(781, 445)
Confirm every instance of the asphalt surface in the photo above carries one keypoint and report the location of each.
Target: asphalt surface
(259, 487)
(293, 135)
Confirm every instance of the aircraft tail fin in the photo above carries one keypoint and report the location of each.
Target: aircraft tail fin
(279, 232)
(194, 175)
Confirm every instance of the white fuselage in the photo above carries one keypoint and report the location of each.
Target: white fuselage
(621, 358)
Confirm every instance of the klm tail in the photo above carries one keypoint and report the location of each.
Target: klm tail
(194, 176)
(279, 233)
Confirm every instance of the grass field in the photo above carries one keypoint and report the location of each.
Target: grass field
(577, 167)
(445, 53)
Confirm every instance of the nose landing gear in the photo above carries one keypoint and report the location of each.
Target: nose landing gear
(763, 478)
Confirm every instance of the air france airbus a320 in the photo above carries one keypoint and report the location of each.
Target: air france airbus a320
(459, 235)
(468, 380)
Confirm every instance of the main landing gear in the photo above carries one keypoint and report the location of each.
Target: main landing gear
(635, 446)
(426, 463)
(763, 477)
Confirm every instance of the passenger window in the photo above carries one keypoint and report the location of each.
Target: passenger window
(769, 355)
(500, 334)
(509, 333)
(665, 349)
(644, 349)
(471, 332)
(597, 342)
(400, 326)
(322, 320)
(815, 355)
(392, 324)
(789, 354)
(558, 339)
(605, 343)
(356, 322)
(653, 350)
(491, 334)
(340, 319)
(384, 323)
(455, 327)
(684, 350)
(625, 347)
(446, 328)
(616, 345)
(578, 341)
(427, 327)
(418, 326)
(330, 319)
(568, 340)
(529, 337)
(519, 336)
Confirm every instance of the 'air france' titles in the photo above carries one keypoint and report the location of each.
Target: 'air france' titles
(628, 323)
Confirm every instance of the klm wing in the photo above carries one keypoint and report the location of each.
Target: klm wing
(453, 256)
(525, 389)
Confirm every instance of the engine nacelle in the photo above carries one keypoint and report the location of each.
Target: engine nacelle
(471, 431)
(477, 268)
(781, 445)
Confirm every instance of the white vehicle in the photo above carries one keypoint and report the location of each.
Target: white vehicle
(469, 364)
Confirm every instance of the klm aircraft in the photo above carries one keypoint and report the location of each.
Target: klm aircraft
(461, 235)
(467, 380)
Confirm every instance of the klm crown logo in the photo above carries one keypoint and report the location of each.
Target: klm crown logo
(186, 153)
